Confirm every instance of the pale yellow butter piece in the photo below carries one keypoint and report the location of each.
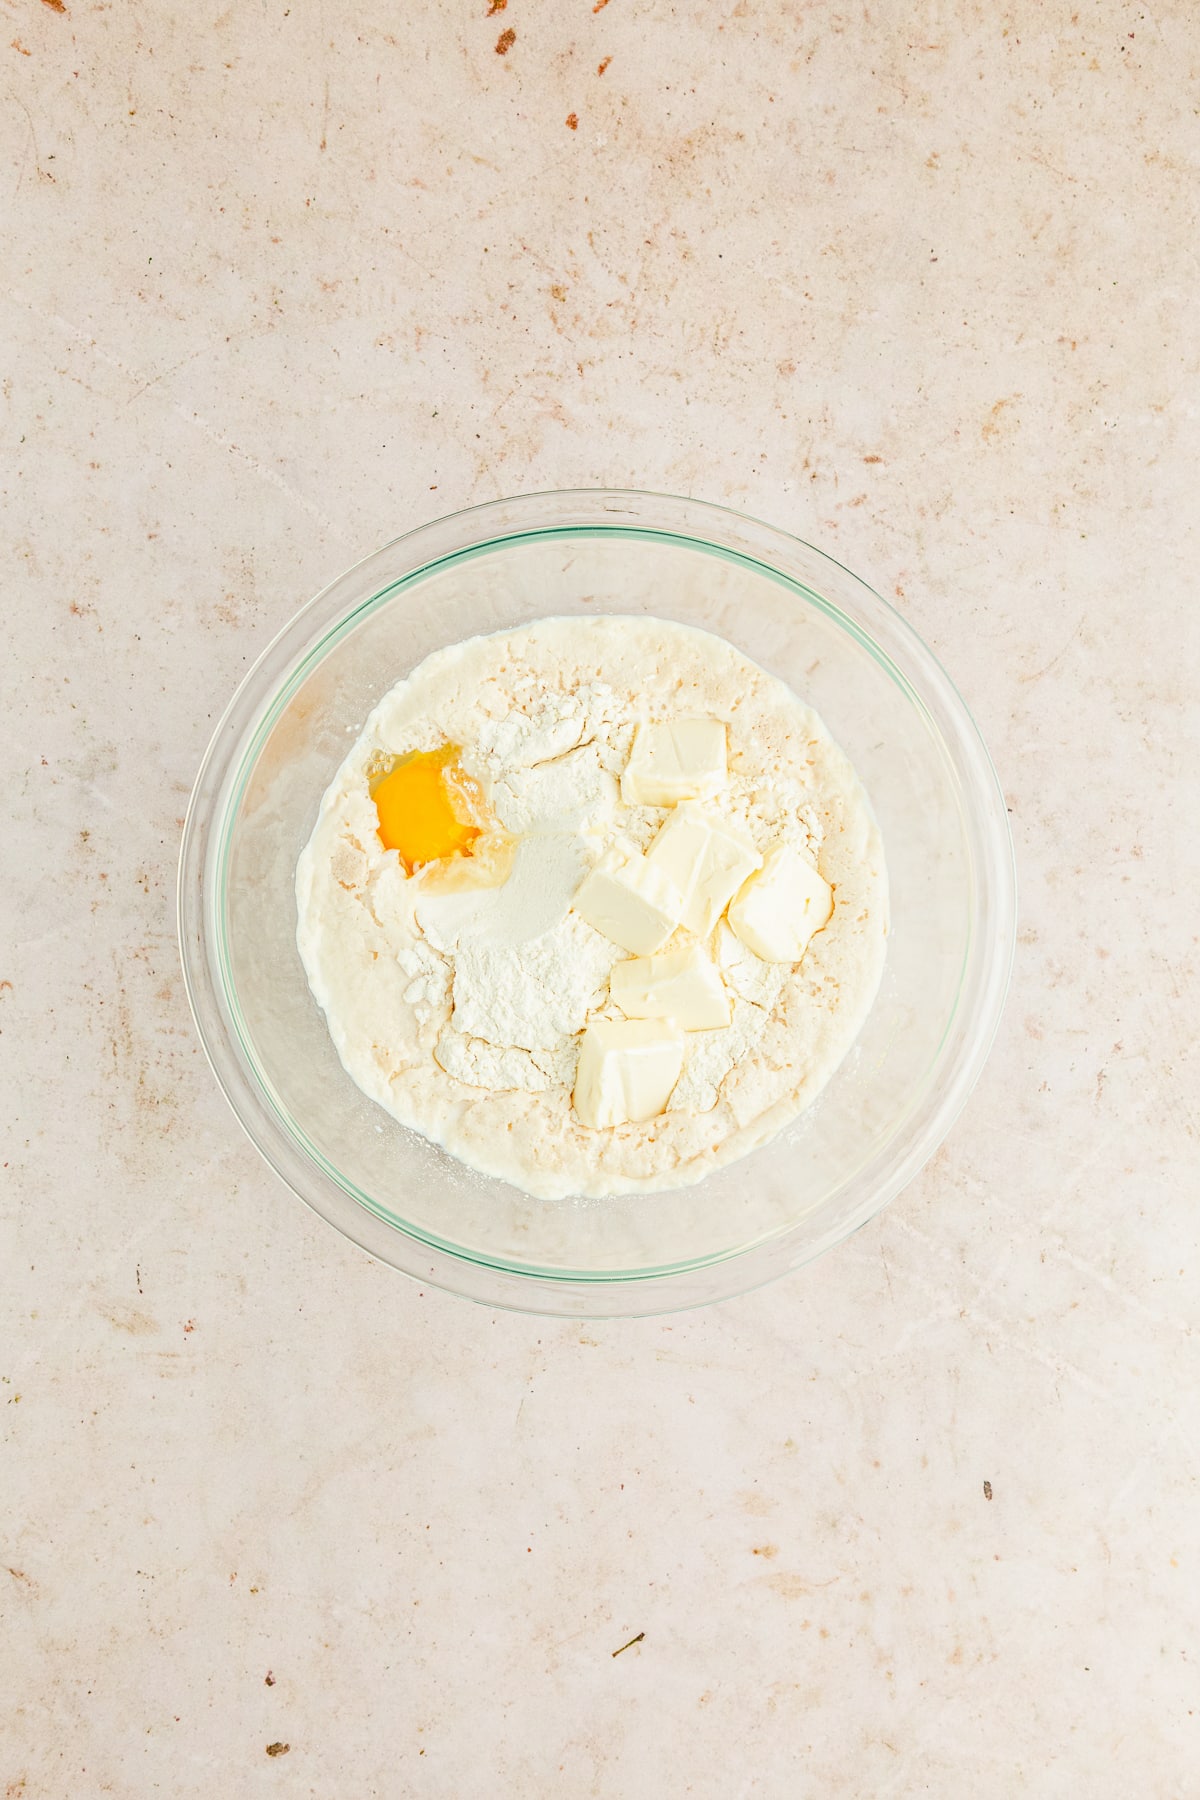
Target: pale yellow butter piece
(706, 859)
(683, 985)
(632, 901)
(783, 906)
(683, 759)
(627, 1070)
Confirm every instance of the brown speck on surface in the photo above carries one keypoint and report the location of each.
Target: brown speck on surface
(991, 426)
(872, 459)
(278, 1749)
(128, 1318)
(55, 5)
(505, 41)
(558, 291)
(600, 67)
(767, 1550)
(496, 6)
(18, 45)
(600, 6)
(573, 121)
(631, 1643)
(269, 1679)
(987, 1490)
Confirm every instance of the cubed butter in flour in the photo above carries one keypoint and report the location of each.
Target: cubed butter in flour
(780, 908)
(683, 985)
(632, 901)
(627, 1069)
(706, 859)
(683, 759)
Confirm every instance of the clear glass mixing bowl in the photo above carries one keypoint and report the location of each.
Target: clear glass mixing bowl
(887, 702)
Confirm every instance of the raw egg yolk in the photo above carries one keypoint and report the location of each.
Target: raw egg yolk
(429, 808)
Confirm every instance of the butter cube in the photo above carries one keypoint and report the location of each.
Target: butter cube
(627, 1070)
(706, 859)
(631, 901)
(683, 985)
(683, 759)
(782, 907)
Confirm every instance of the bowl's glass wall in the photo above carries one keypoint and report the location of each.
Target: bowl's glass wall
(819, 1169)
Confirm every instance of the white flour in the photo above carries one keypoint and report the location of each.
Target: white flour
(480, 1054)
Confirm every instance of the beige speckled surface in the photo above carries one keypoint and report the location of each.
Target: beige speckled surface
(913, 280)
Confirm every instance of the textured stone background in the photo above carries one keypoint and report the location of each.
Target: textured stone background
(918, 281)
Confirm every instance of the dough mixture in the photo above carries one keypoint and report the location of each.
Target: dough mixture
(632, 916)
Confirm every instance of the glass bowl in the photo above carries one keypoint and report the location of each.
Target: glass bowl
(889, 705)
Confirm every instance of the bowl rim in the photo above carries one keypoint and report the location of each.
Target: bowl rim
(309, 633)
